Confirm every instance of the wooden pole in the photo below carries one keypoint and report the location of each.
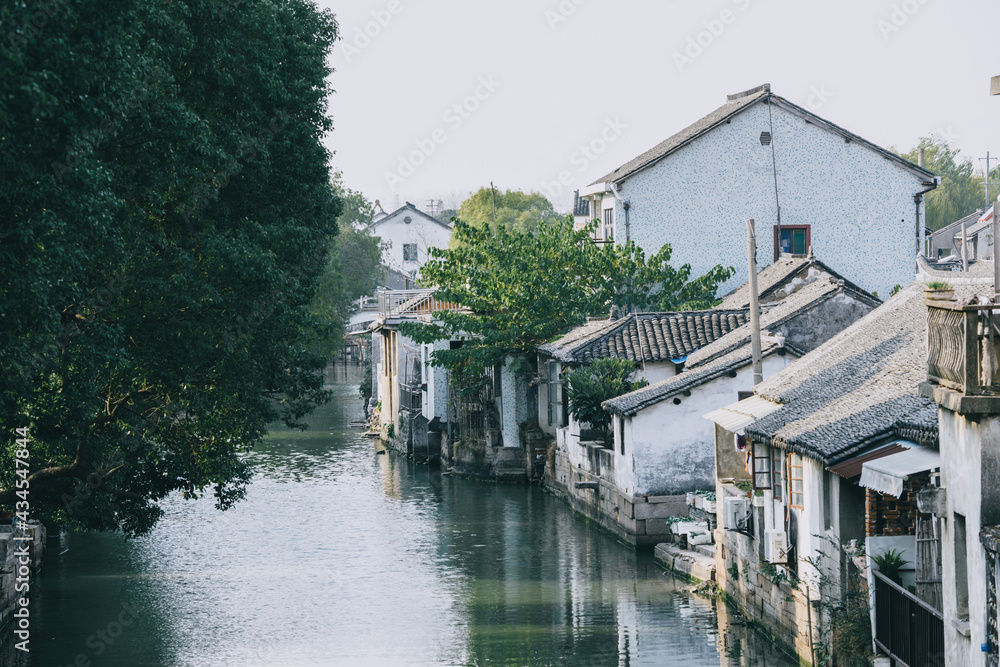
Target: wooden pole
(965, 256)
(758, 369)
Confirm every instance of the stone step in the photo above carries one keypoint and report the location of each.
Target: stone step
(692, 564)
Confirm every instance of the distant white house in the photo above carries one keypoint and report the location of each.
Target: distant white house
(859, 206)
(410, 233)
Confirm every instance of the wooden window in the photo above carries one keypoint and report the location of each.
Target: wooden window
(609, 224)
(409, 252)
(795, 240)
(554, 394)
(777, 458)
(796, 492)
(621, 431)
(761, 466)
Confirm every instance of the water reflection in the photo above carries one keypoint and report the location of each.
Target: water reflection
(342, 557)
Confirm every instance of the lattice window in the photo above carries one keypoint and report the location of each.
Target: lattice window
(796, 488)
(409, 252)
(777, 457)
(761, 466)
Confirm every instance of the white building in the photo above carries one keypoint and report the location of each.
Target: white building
(857, 205)
(410, 233)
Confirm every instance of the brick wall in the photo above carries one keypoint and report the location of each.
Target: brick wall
(888, 515)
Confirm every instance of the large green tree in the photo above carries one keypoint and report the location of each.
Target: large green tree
(522, 212)
(165, 214)
(354, 268)
(519, 289)
(963, 187)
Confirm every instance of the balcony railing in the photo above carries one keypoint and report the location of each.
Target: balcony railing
(963, 348)
(400, 303)
(906, 628)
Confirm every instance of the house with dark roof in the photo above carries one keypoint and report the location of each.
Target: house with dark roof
(410, 234)
(663, 449)
(760, 156)
(825, 456)
(945, 242)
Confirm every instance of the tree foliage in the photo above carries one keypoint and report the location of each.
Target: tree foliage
(518, 211)
(354, 269)
(963, 187)
(588, 387)
(165, 215)
(520, 289)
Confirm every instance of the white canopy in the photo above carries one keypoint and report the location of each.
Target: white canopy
(736, 416)
(887, 474)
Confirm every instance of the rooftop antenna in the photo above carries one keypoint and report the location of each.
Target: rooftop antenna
(987, 158)
(758, 368)
(767, 139)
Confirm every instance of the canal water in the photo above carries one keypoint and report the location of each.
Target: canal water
(342, 556)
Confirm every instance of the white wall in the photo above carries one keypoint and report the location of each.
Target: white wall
(435, 397)
(698, 198)
(670, 449)
(962, 441)
(424, 232)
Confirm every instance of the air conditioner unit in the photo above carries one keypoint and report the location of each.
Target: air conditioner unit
(775, 546)
(735, 512)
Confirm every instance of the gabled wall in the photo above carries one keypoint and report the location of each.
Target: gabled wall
(859, 204)
(670, 449)
(421, 231)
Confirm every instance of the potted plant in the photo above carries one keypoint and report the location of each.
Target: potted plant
(937, 290)
(890, 563)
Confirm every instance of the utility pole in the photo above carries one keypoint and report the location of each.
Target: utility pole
(758, 369)
(965, 242)
(987, 158)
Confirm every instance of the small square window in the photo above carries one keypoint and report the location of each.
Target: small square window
(409, 252)
(793, 240)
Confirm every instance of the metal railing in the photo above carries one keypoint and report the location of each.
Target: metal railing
(907, 628)
(398, 303)
(962, 348)
(411, 397)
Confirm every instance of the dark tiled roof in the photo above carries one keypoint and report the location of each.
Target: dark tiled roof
(785, 276)
(859, 388)
(645, 337)
(781, 311)
(581, 206)
(728, 353)
(632, 402)
(949, 231)
(407, 207)
(734, 105)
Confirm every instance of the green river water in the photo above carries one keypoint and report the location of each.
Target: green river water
(339, 556)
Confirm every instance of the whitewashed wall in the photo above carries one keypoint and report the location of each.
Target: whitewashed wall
(859, 204)
(424, 232)
(670, 449)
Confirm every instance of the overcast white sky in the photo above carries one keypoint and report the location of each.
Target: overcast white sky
(888, 70)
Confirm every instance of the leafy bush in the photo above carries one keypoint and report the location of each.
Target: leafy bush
(890, 563)
(588, 387)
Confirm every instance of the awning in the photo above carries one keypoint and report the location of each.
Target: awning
(886, 475)
(742, 413)
(852, 466)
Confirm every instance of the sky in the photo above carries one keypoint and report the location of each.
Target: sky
(437, 98)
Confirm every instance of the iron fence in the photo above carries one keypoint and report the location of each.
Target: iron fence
(907, 628)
